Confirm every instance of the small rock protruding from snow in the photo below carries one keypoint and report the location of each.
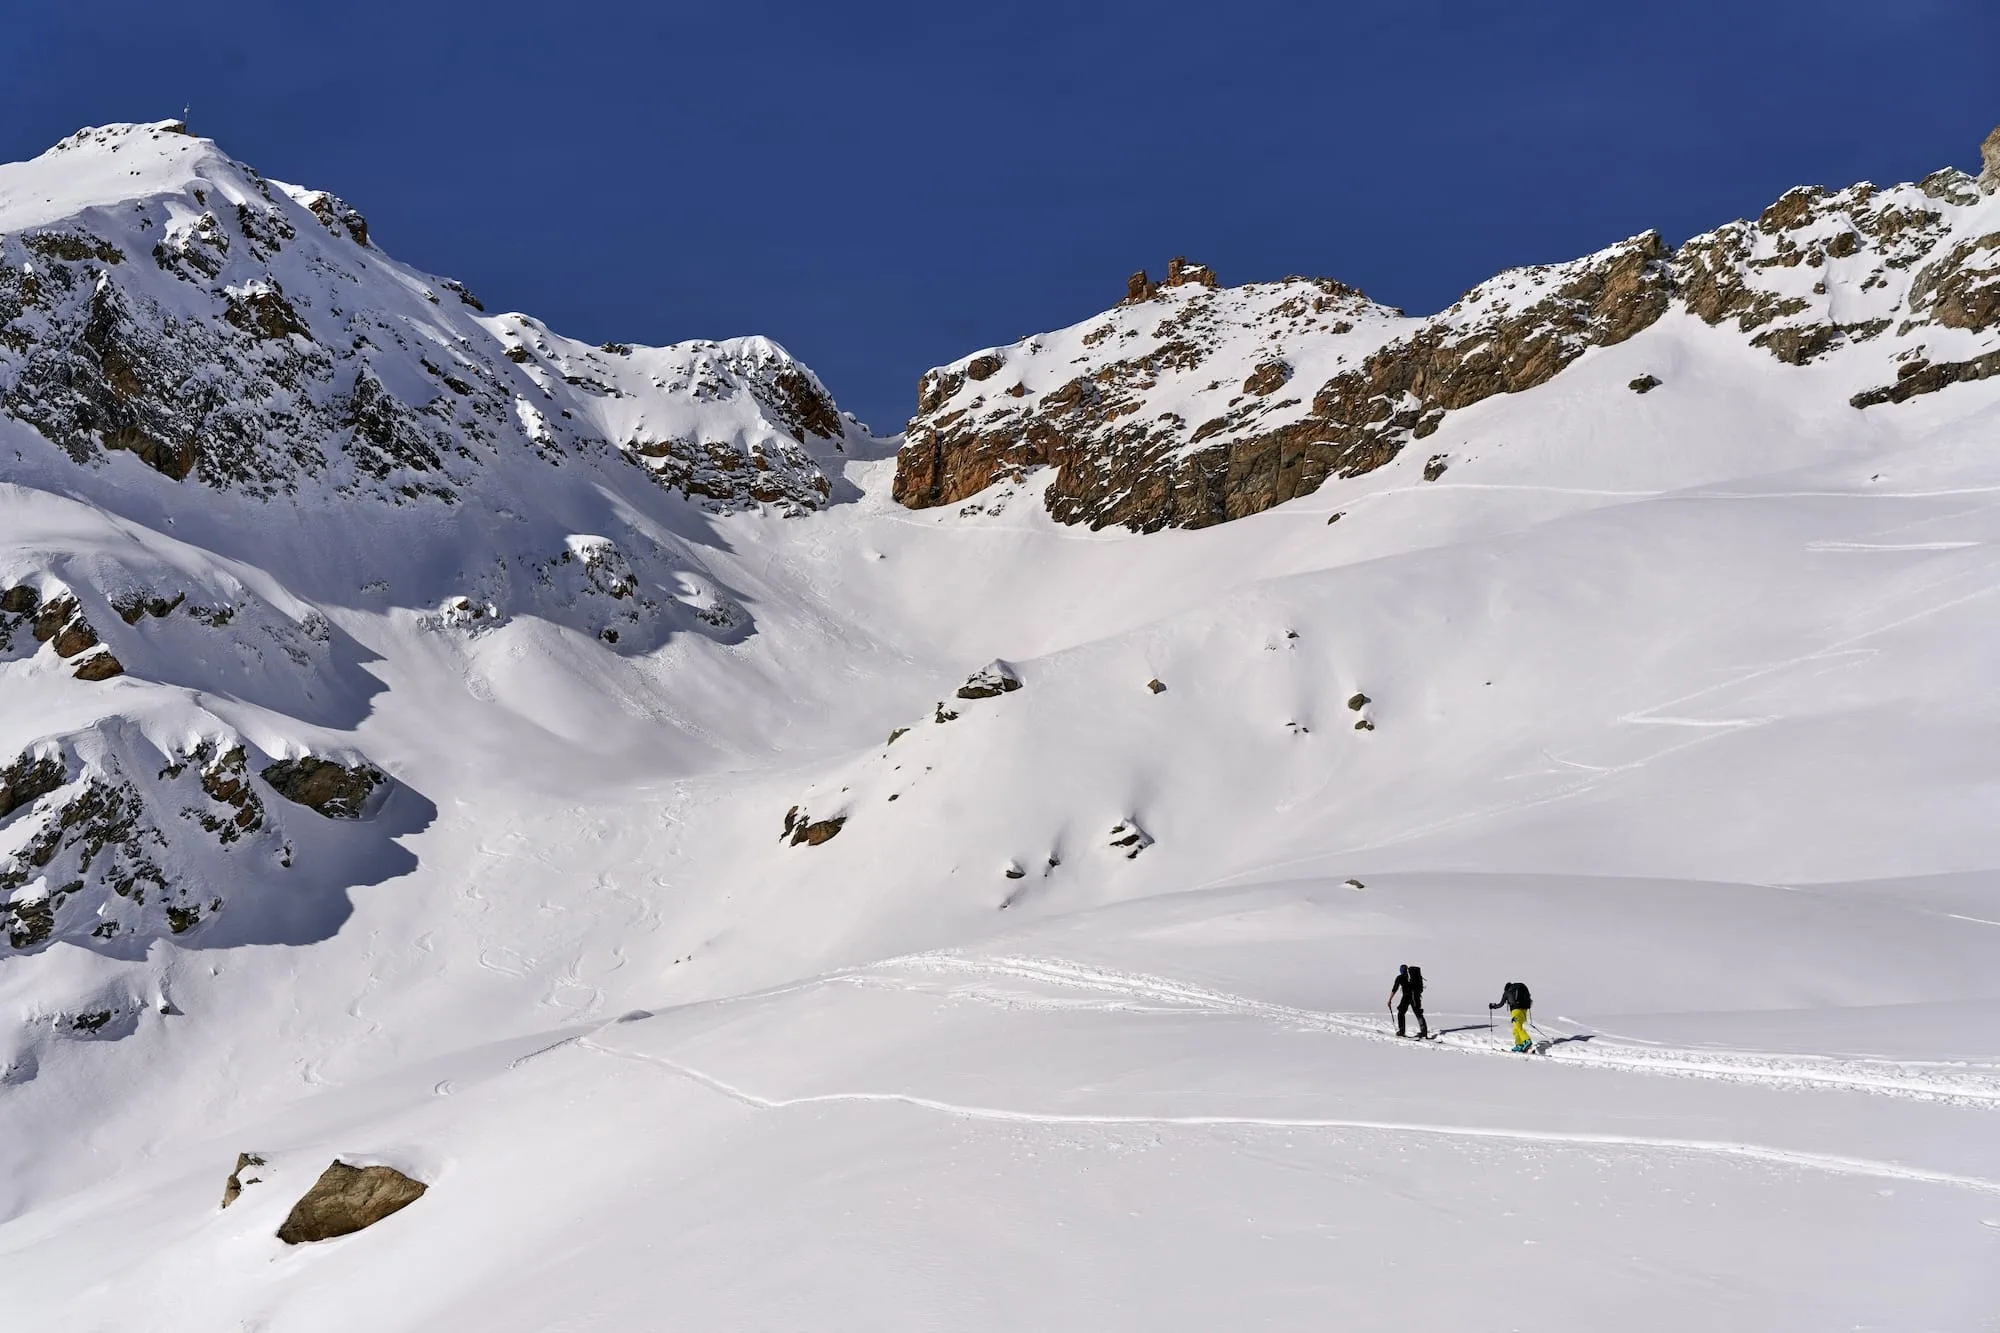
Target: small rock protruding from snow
(462, 612)
(1129, 838)
(1156, 685)
(244, 1174)
(346, 1199)
(995, 678)
(1645, 384)
(1436, 466)
(1358, 702)
(1355, 884)
(1989, 158)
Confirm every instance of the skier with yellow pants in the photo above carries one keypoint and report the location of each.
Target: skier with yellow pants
(1514, 997)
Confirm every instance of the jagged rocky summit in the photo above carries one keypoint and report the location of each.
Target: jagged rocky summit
(1190, 404)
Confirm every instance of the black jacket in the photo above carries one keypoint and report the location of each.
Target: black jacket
(1514, 995)
(1410, 981)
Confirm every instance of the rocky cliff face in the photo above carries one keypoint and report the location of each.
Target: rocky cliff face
(1190, 404)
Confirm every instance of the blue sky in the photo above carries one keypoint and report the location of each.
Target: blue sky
(883, 186)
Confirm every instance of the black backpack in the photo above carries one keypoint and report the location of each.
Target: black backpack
(1515, 996)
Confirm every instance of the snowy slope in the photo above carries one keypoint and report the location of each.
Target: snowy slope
(739, 971)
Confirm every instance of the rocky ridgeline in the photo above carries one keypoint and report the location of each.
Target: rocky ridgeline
(1191, 404)
(232, 332)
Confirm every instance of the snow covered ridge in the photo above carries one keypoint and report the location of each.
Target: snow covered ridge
(1191, 404)
(161, 300)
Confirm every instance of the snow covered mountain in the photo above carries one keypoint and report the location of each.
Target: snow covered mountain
(229, 362)
(753, 873)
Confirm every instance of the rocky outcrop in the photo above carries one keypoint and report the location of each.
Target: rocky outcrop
(1261, 448)
(1989, 159)
(801, 829)
(1915, 378)
(346, 1199)
(335, 790)
(88, 853)
(995, 678)
(29, 777)
(1298, 384)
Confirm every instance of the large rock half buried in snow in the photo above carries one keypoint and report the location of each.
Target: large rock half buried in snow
(346, 1199)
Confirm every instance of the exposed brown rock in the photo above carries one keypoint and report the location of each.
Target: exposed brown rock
(1962, 289)
(1922, 377)
(28, 778)
(1989, 157)
(804, 408)
(338, 217)
(263, 312)
(1181, 272)
(233, 1187)
(21, 601)
(333, 789)
(1156, 685)
(1139, 288)
(813, 832)
(984, 367)
(346, 1199)
(61, 622)
(1267, 378)
(98, 666)
(1644, 384)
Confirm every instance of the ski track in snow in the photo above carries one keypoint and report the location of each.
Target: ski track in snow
(1823, 1162)
(1139, 992)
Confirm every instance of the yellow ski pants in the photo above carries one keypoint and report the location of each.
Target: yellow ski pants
(1520, 1026)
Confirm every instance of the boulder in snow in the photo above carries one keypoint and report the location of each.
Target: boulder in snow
(346, 1199)
(333, 789)
(995, 678)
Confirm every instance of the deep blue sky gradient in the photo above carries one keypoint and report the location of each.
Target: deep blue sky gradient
(883, 186)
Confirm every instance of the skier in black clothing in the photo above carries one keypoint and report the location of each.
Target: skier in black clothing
(1409, 984)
